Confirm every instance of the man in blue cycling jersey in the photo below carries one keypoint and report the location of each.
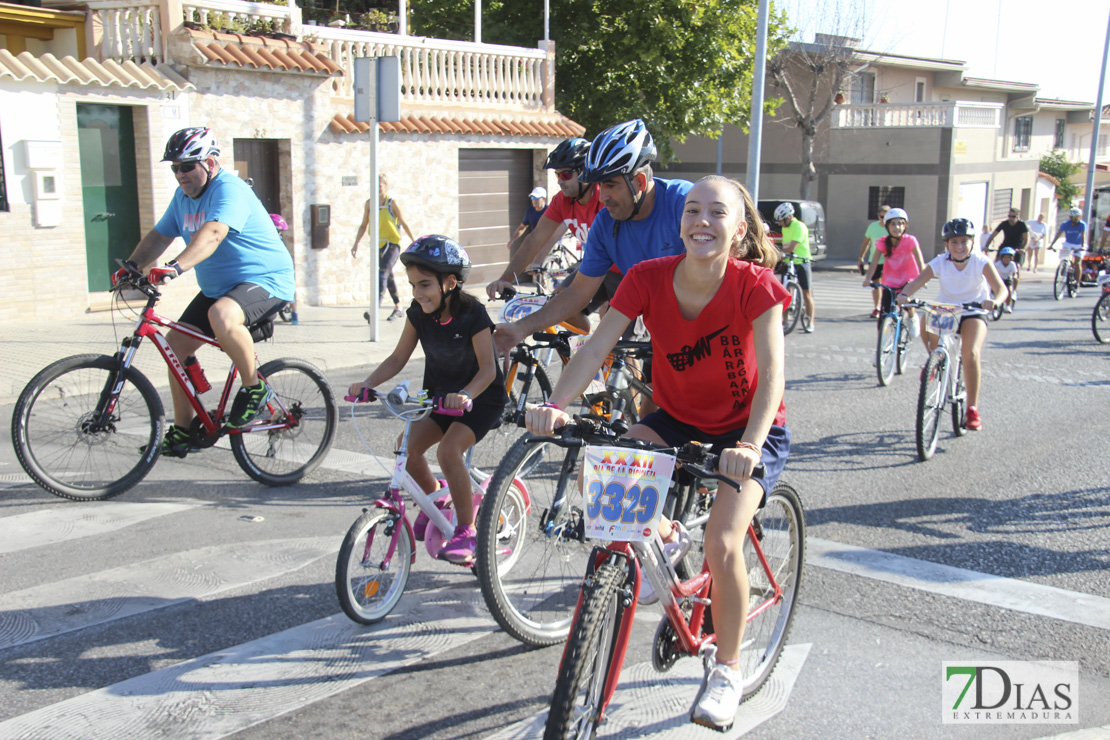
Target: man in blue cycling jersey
(243, 268)
(1074, 231)
(640, 221)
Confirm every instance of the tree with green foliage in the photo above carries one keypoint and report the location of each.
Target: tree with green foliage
(1057, 165)
(683, 66)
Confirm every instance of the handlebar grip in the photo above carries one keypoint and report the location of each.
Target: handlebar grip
(507, 294)
(366, 395)
(441, 409)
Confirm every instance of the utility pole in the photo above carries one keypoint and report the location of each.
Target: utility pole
(755, 120)
(1089, 194)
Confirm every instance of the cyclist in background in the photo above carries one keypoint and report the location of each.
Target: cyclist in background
(965, 275)
(640, 221)
(573, 208)
(720, 296)
(1010, 273)
(454, 330)
(795, 242)
(243, 268)
(1075, 244)
(1014, 234)
(902, 262)
(867, 255)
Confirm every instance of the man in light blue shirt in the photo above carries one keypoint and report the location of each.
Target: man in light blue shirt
(243, 268)
(1074, 231)
(640, 221)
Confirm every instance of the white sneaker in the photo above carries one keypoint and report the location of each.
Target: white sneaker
(674, 552)
(915, 328)
(719, 698)
(1007, 308)
(807, 325)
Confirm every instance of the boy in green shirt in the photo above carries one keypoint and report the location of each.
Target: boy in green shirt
(867, 253)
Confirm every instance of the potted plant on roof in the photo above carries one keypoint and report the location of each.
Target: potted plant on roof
(839, 99)
(884, 98)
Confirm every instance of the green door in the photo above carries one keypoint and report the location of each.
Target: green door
(109, 188)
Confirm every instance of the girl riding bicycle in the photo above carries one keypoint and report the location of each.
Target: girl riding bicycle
(715, 317)
(902, 262)
(457, 337)
(966, 275)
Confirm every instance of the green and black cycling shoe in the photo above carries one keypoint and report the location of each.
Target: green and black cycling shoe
(175, 443)
(249, 404)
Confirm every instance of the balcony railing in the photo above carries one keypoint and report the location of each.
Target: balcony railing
(433, 71)
(916, 115)
(437, 71)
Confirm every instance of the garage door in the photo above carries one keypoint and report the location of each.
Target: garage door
(493, 193)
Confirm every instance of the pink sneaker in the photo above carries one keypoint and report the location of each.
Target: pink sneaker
(420, 524)
(460, 548)
(974, 423)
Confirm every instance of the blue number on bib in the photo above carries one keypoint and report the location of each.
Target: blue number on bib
(649, 497)
(632, 496)
(611, 510)
(593, 509)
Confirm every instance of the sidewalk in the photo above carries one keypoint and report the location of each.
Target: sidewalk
(330, 338)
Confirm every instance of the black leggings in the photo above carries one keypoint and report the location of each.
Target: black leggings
(387, 258)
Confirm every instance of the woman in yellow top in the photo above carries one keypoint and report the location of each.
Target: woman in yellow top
(389, 243)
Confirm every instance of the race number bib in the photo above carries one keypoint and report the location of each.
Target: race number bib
(624, 492)
(519, 307)
(944, 320)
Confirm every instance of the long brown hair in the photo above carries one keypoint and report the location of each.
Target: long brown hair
(756, 246)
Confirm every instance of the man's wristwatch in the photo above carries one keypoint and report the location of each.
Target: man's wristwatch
(175, 266)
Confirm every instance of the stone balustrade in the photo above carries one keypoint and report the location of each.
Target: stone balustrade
(911, 115)
(433, 71)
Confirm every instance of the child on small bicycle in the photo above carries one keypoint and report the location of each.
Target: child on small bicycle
(902, 262)
(966, 275)
(1010, 272)
(722, 297)
(456, 334)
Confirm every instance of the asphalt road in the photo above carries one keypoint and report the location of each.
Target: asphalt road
(201, 604)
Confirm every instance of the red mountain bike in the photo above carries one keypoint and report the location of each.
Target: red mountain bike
(90, 427)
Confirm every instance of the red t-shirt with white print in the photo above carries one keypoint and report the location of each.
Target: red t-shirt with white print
(704, 370)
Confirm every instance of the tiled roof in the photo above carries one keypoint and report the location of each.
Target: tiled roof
(552, 125)
(262, 53)
(67, 70)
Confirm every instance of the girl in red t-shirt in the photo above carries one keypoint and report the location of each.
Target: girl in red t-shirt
(715, 317)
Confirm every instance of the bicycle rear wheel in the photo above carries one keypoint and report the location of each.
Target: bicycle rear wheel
(531, 557)
(281, 457)
(1100, 319)
(886, 350)
(577, 704)
(930, 402)
(69, 447)
(782, 523)
(367, 590)
(794, 311)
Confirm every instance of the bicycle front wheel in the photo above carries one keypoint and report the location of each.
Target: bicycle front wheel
(782, 524)
(959, 405)
(886, 350)
(578, 702)
(1100, 319)
(930, 402)
(903, 347)
(305, 408)
(794, 311)
(71, 444)
(531, 556)
(368, 588)
(1060, 280)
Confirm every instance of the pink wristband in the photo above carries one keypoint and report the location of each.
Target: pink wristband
(551, 406)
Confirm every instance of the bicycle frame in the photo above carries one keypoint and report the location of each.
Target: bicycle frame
(665, 581)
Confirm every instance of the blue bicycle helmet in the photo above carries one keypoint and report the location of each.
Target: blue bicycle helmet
(619, 150)
(1007, 251)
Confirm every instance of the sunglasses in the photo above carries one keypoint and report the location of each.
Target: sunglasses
(187, 167)
(565, 174)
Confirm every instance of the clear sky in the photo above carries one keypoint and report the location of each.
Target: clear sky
(1057, 45)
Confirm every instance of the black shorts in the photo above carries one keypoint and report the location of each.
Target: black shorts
(802, 270)
(878, 273)
(776, 448)
(480, 419)
(256, 302)
(971, 317)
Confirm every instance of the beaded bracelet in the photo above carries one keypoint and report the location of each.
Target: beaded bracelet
(749, 446)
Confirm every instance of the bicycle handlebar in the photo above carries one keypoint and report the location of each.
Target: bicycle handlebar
(369, 394)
